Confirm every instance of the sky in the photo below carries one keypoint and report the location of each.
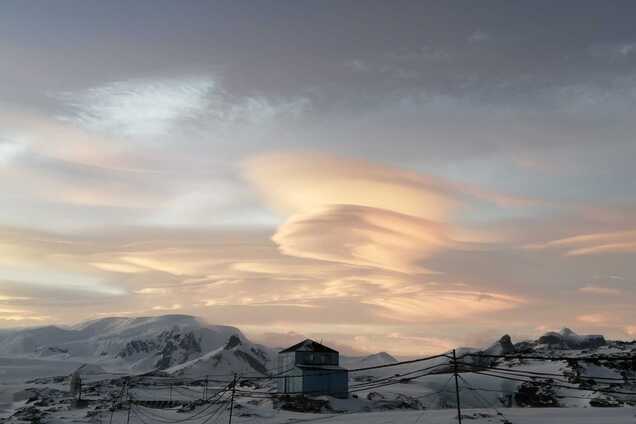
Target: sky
(404, 176)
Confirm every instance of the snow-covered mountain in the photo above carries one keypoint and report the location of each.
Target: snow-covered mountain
(353, 362)
(141, 344)
(508, 374)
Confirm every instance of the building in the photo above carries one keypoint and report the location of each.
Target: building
(311, 368)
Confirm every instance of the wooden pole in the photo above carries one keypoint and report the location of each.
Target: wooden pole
(232, 399)
(459, 409)
(119, 398)
(129, 409)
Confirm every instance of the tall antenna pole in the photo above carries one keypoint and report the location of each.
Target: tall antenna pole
(459, 409)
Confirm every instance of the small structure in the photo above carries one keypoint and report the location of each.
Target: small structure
(311, 368)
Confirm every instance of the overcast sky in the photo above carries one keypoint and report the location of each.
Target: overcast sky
(400, 176)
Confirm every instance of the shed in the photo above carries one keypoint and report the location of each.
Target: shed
(311, 368)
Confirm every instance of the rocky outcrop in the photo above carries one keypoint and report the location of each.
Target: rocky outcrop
(171, 347)
(568, 339)
(536, 395)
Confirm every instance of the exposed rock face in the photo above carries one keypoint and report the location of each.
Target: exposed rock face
(568, 339)
(252, 361)
(537, 395)
(135, 347)
(232, 342)
(171, 347)
(502, 347)
(237, 353)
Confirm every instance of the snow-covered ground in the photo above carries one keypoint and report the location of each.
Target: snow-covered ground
(447, 416)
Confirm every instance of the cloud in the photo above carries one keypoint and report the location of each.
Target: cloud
(593, 244)
(118, 267)
(5, 298)
(158, 107)
(260, 110)
(596, 318)
(405, 344)
(434, 305)
(479, 36)
(173, 307)
(365, 236)
(303, 182)
(359, 213)
(615, 51)
(232, 276)
(152, 291)
(10, 150)
(140, 107)
(600, 290)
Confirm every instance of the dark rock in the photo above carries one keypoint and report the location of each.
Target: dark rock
(301, 404)
(537, 394)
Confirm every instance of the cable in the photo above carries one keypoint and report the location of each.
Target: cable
(555, 385)
(400, 376)
(479, 398)
(214, 401)
(626, 379)
(261, 377)
(555, 358)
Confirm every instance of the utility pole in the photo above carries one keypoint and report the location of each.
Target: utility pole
(232, 398)
(459, 409)
(205, 389)
(129, 409)
(170, 392)
(119, 399)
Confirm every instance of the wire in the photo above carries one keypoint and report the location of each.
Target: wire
(555, 358)
(480, 398)
(626, 379)
(556, 385)
(214, 401)
(280, 376)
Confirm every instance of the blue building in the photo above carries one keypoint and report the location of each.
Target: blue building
(311, 368)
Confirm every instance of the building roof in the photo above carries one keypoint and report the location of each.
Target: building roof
(308, 345)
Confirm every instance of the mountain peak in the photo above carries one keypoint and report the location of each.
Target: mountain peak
(503, 346)
(233, 342)
(565, 331)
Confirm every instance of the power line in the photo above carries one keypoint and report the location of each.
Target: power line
(480, 399)
(556, 358)
(555, 385)
(538, 373)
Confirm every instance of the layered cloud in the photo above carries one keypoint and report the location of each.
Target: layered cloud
(361, 235)
(593, 244)
(359, 213)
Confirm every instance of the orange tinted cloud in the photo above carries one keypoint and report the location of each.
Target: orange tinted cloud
(443, 304)
(593, 244)
(363, 236)
(364, 214)
(600, 290)
(294, 183)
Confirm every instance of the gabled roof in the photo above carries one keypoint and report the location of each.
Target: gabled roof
(308, 345)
